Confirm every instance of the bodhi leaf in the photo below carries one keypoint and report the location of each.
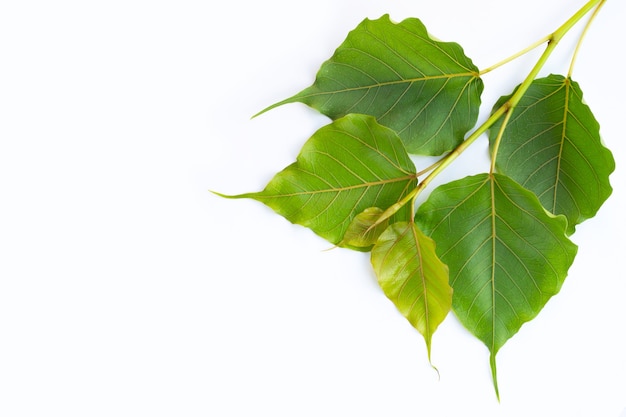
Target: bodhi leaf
(345, 167)
(413, 277)
(551, 146)
(507, 255)
(426, 90)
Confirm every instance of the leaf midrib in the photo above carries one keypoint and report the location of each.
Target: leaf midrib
(557, 179)
(557, 186)
(494, 236)
(340, 189)
(493, 239)
(423, 279)
(472, 75)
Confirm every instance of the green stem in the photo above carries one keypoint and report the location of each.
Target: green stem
(496, 145)
(393, 209)
(553, 40)
(582, 36)
(516, 55)
(430, 168)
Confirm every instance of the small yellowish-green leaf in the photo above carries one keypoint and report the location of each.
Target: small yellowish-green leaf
(413, 277)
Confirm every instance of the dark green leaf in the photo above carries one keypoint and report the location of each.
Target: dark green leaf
(507, 255)
(426, 90)
(345, 167)
(552, 147)
(413, 277)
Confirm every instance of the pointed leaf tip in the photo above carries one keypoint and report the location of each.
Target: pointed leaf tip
(494, 373)
(220, 194)
(435, 369)
(235, 196)
(273, 106)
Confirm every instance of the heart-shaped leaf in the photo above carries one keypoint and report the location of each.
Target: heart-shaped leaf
(507, 255)
(413, 277)
(551, 146)
(344, 168)
(426, 90)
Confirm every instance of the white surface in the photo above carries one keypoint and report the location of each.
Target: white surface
(127, 289)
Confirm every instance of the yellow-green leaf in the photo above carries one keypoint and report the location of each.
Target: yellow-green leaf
(413, 277)
(344, 168)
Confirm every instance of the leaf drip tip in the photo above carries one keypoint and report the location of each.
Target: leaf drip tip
(436, 370)
(494, 374)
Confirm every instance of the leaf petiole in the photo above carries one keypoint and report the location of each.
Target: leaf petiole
(494, 151)
(516, 55)
(553, 40)
(582, 36)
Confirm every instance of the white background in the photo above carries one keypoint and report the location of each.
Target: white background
(127, 289)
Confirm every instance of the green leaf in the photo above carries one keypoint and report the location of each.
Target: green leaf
(426, 90)
(363, 230)
(345, 167)
(552, 147)
(507, 255)
(413, 277)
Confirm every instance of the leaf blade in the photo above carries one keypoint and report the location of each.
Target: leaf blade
(413, 277)
(507, 256)
(552, 146)
(426, 90)
(344, 168)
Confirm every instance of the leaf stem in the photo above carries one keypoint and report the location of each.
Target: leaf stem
(582, 36)
(496, 145)
(494, 373)
(553, 40)
(430, 168)
(435, 169)
(516, 55)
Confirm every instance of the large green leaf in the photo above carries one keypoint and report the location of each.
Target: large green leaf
(507, 255)
(426, 90)
(551, 145)
(413, 277)
(344, 168)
